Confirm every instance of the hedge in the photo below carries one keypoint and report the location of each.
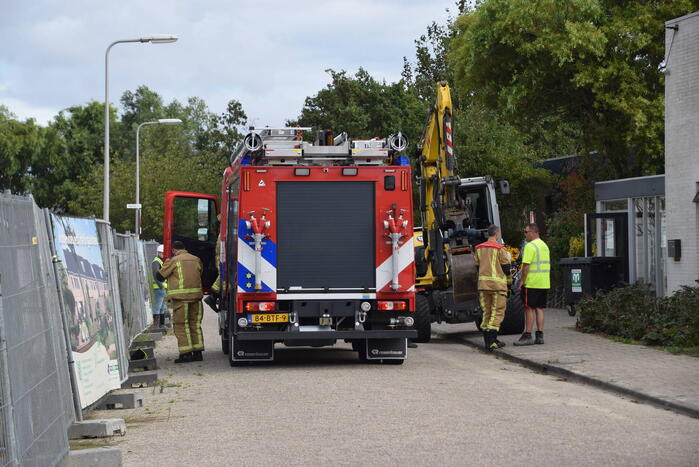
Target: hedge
(632, 312)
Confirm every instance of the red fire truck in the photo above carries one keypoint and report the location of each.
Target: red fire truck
(315, 243)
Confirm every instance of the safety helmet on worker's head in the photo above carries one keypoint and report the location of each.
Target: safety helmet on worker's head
(161, 249)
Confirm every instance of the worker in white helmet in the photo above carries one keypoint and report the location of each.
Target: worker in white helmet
(159, 290)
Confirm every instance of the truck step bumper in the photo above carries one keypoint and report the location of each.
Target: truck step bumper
(320, 335)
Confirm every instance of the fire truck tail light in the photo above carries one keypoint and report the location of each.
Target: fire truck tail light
(303, 172)
(260, 306)
(390, 306)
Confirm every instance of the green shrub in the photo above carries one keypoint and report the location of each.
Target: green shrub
(633, 313)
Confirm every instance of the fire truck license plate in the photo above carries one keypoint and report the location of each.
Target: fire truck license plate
(271, 318)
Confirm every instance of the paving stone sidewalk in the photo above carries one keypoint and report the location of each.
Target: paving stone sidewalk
(639, 372)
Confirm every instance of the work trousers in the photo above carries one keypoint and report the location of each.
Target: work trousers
(186, 321)
(493, 305)
(159, 305)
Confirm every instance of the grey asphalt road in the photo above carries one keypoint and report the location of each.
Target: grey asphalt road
(447, 405)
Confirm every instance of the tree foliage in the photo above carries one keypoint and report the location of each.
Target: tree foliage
(587, 66)
(62, 164)
(363, 107)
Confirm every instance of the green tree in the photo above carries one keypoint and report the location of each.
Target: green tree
(364, 107)
(486, 144)
(186, 157)
(20, 142)
(587, 67)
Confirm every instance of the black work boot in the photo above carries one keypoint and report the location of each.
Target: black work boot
(212, 302)
(499, 343)
(489, 339)
(184, 358)
(526, 339)
(539, 337)
(197, 356)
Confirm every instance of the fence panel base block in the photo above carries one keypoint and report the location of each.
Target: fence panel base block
(102, 428)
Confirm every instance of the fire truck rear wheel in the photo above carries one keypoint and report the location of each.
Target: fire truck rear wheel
(423, 318)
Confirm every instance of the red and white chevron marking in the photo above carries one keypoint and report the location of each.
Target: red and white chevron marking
(406, 278)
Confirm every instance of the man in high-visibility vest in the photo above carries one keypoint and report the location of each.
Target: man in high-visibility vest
(534, 284)
(159, 290)
(183, 273)
(493, 262)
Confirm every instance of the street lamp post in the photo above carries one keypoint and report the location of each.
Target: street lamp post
(162, 121)
(155, 39)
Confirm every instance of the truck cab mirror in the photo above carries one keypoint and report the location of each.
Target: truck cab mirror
(505, 187)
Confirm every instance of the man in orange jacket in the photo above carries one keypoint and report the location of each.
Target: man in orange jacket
(493, 262)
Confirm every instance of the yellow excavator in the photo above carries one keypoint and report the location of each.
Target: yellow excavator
(455, 213)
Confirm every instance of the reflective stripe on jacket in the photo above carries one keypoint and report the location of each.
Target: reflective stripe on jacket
(536, 255)
(183, 274)
(490, 257)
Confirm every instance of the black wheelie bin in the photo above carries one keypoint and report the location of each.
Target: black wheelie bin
(585, 276)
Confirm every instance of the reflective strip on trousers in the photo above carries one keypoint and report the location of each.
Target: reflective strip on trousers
(493, 311)
(197, 327)
(188, 335)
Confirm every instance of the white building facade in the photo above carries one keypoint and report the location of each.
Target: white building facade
(682, 150)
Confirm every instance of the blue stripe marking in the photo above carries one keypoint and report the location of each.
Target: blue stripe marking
(269, 248)
(248, 283)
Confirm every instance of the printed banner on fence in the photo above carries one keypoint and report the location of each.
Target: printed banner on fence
(86, 295)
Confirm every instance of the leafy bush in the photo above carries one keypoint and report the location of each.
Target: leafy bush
(633, 313)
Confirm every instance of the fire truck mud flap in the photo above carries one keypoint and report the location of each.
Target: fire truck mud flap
(252, 351)
(386, 349)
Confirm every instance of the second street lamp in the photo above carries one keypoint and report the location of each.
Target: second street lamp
(162, 121)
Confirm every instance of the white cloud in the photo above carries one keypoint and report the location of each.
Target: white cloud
(24, 111)
(269, 55)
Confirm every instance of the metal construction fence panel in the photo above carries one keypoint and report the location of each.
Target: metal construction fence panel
(35, 412)
(87, 299)
(132, 286)
(73, 296)
(111, 266)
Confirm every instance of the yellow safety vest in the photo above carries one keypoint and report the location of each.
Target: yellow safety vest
(536, 254)
(155, 281)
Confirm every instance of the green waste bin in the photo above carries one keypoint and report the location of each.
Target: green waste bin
(585, 276)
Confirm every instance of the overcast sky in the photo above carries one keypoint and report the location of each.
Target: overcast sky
(269, 55)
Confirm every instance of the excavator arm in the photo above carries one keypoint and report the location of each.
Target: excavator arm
(445, 216)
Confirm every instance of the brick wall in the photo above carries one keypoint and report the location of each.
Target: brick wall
(682, 147)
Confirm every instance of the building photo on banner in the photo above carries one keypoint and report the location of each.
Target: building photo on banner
(87, 300)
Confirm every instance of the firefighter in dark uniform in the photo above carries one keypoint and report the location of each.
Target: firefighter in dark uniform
(493, 262)
(183, 274)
